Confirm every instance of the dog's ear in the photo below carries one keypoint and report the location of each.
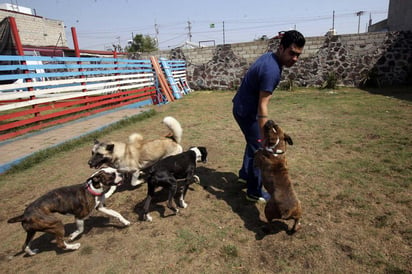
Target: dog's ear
(103, 178)
(96, 179)
(110, 147)
(203, 151)
(288, 139)
(269, 124)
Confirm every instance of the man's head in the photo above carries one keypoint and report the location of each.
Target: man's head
(290, 48)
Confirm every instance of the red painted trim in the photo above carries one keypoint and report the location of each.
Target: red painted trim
(71, 102)
(95, 105)
(75, 42)
(64, 120)
(100, 52)
(16, 36)
(118, 101)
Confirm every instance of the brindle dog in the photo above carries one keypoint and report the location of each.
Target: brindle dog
(271, 161)
(78, 200)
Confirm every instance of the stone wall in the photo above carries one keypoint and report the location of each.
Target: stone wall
(383, 58)
(354, 60)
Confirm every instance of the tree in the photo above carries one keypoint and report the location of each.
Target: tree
(142, 43)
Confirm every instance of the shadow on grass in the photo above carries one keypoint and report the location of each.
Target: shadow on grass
(402, 93)
(225, 186)
(157, 204)
(45, 242)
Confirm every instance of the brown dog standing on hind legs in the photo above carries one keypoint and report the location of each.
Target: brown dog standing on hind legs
(271, 161)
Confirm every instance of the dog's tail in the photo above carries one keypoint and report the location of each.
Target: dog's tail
(135, 137)
(175, 128)
(16, 219)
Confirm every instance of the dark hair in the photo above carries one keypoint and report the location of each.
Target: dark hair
(292, 37)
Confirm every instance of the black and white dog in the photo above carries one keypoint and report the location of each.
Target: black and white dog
(175, 172)
(78, 200)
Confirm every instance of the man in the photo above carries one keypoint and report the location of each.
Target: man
(250, 104)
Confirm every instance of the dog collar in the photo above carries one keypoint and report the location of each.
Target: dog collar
(92, 190)
(272, 148)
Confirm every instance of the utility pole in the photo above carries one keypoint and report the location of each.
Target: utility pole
(156, 26)
(359, 14)
(189, 26)
(223, 32)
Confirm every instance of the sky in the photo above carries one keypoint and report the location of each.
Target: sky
(101, 23)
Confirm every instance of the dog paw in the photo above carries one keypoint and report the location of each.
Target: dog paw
(197, 179)
(136, 182)
(126, 222)
(72, 246)
(298, 227)
(182, 204)
(147, 218)
(31, 252)
(73, 236)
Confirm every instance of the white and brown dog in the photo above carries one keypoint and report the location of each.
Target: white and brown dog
(137, 153)
(271, 161)
(79, 200)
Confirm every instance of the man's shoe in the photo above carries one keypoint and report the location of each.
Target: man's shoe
(255, 199)
(266, 196)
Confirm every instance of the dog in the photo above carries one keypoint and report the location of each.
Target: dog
(175, 172)
(275, 139)
(137, 153)
(79, 200)
(271, 161)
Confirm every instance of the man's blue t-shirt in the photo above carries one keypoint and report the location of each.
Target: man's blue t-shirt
(263, 75)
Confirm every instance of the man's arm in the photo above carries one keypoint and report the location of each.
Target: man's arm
(264, 98)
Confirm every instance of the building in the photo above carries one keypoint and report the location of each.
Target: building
(37, 34)
(399, 17)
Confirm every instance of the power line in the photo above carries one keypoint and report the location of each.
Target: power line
(200, 28)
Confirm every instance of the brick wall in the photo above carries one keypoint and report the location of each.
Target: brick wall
(36, 30)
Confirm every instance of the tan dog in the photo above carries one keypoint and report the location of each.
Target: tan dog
(271, 161)
(137, 153)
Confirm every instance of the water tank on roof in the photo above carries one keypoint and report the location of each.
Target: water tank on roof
(16, 8)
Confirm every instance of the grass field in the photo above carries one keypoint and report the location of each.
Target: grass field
(351, 168)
